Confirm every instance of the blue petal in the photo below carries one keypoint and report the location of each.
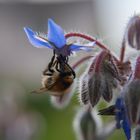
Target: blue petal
(119, 113)
(121, 116)
(74, 47)
(126, 128)
(56, 34)
(35, 40)
(126, 124)
(119, 103)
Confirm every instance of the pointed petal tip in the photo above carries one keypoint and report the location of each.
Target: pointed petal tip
(35, 40)
(28, 31)
(26, 28)
(56, 34)
(51, 21)
(52, 24)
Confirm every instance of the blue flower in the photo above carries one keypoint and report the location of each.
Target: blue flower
(55, 39)
(122, 117)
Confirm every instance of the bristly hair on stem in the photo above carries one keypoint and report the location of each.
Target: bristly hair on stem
(91, 39)
(122, 52)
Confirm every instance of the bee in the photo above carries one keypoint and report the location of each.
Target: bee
(57, 78)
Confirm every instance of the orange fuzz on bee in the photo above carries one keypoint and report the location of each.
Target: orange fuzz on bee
(58, 82)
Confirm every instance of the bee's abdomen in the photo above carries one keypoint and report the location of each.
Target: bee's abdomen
(63, 84)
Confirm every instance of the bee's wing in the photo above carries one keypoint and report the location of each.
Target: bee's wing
(51, 85)
(41, 90)
(44, 89)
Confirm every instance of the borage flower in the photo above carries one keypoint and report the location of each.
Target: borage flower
(121, 115)
(55, 39)
(132, 33)
(58, 77)
(89, 126)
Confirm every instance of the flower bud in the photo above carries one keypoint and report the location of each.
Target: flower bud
(86, 124)
(132, 100)
(100, 79)
(132, 34)
(136, 134)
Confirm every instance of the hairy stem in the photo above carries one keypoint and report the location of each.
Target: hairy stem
(122, 52)
(102, 46)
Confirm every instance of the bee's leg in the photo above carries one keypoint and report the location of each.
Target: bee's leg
(67, 59)
(41, 90)
(52, 60)
(72, 71)
(57, 63)
(45, 72)
(54, 63)
(62, 69)
(49, 72)
(63, 61)
(49, 67)
(51, 63)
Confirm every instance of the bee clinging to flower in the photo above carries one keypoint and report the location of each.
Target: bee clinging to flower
(57, 80)
(58, 75)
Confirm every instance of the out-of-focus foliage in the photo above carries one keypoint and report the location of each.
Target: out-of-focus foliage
(51, 123)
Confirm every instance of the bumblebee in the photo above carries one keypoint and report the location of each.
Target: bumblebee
(57, 78)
